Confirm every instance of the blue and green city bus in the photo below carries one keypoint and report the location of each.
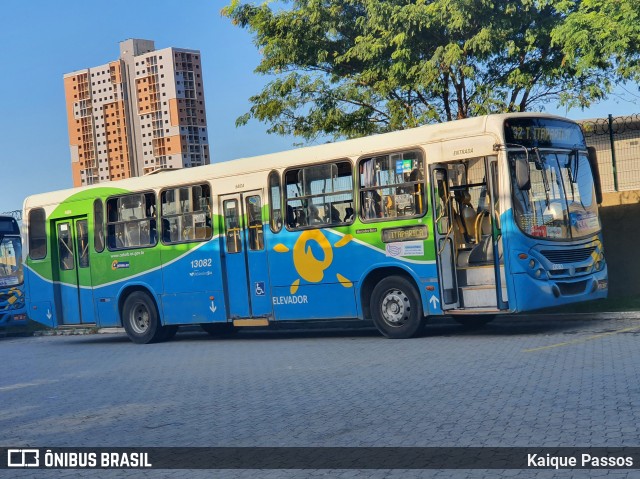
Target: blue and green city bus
(12, 304)
(474, 218)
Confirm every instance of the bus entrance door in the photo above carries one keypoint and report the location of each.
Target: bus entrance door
(245, 256)
(72, 271)
(443, 232)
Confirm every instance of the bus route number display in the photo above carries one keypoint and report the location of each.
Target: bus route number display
(539, 132)
(409, 233)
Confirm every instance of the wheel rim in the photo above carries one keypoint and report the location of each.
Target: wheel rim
(139, 318)
(395, 308)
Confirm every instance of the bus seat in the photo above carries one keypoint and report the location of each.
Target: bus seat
(202, 232)
(468, 214)
(482, 253)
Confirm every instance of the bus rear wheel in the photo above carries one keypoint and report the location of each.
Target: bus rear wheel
(140, 319)
(396, 308)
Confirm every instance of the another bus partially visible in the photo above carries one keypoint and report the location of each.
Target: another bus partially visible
(472, 219)
(12, 301)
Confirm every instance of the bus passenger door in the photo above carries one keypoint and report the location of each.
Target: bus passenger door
(245, 257)
(502, 298)
(72, 268)
(443, 218)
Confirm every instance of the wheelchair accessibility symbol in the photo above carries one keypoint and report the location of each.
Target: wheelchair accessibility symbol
(260, 288)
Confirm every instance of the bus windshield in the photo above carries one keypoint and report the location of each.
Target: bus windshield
(11, 273)
(560, 203)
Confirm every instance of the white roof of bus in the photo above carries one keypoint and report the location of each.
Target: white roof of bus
(342, 149)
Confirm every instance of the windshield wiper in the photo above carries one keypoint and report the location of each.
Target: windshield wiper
(574, 165)
(545, 179)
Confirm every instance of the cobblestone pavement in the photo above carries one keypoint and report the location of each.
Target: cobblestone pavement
(533, 381)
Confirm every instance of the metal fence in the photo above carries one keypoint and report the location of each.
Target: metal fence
(617, 142)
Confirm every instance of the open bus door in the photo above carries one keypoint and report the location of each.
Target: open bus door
(443, 218)
(246, 270)
(72, 270)
(471, 271)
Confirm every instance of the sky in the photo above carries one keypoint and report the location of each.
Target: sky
(43, 40)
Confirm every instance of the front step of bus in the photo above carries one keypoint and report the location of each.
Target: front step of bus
(477, 287)
(246, 323)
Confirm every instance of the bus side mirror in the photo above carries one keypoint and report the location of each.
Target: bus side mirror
(523, 176)
(595, 172)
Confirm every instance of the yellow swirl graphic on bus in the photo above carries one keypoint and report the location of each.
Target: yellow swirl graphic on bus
(310, 268)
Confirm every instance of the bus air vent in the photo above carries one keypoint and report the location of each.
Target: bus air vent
(568, 289)
(562, 256)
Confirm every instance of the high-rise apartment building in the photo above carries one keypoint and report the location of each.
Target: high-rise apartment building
(138, 114)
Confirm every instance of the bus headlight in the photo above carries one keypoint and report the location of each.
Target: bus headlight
(532, 264)
(538, 273)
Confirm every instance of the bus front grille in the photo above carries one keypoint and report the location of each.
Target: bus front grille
(569, 289)
(561, 256)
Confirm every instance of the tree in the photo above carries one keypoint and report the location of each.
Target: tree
(601, 35)
(347, 68)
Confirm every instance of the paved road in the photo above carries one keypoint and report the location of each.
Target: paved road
(536, 381)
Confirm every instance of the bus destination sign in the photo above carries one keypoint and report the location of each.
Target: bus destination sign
(543, 132)
(407, 233)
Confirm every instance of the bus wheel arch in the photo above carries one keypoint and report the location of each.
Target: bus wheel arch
(391, 298)
(140, 316)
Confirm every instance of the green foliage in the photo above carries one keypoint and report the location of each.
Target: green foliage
(347, 68)
(601, 36)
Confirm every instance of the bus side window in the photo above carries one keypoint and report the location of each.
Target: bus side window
(131, 221)
(392, 186)
(98, 226)
(275, 202)
(232, 226)
(185, 214)
(65, 247)
(254, 217)
(312, 193)
(37, 234)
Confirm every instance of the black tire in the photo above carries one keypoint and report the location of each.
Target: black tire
(140, 319)
(396, 308)
(473, 322)
(218, 329)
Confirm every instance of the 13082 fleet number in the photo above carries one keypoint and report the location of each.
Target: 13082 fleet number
(201, 263)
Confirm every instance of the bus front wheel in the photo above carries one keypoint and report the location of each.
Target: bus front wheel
(140, 319)
(396, 308)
